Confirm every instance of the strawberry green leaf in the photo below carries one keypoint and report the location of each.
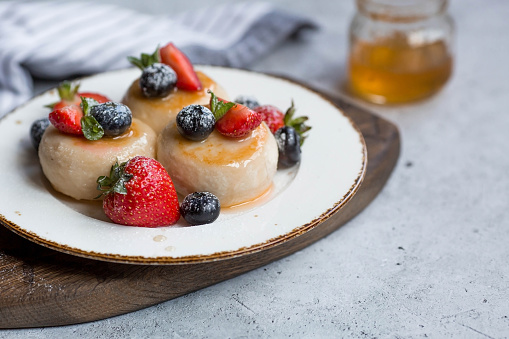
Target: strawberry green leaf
(103, 181)
(218, 107)
(299, 123)
(119, 186)
(92, 130)
(67, 91)
(299, 120)
(115, 183)
(145, 60)
(52, 105)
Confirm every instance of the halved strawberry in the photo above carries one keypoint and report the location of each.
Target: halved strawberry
(232, 119)
(238, 122)
(186, 76)
(69, 95)
(67, 119)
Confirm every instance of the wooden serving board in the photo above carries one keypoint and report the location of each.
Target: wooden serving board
(42, 287)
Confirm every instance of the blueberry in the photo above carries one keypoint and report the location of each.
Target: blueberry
(288, 144)
(200, 208)
(248, 101)
(114, 117)
(37, 130)
(195, 122)
(157, 80)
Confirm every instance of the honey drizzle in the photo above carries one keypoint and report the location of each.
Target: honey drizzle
(246, 205)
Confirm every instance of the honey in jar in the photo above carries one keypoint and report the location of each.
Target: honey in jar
(400, 51)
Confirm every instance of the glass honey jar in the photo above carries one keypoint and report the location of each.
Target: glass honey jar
(400, 50)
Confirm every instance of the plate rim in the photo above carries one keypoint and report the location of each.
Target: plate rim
(216, 256)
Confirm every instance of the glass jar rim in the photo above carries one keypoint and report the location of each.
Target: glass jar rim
(401, 10)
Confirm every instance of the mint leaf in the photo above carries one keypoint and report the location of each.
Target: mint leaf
(213, 101)
(86, 104)
(223, 108)
(91, 128)
(218, 107)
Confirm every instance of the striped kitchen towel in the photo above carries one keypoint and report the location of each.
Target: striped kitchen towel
(57, 39)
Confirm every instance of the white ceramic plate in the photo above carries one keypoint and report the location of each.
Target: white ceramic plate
(331, 170)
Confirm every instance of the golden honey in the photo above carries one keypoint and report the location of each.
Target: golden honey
(399, 53)
(390, 71)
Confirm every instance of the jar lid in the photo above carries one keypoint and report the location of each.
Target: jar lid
(401, 10)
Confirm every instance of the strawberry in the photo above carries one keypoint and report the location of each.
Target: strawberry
(69, 95)
(233, 120)
(272, 116)
(73, 119)
(67, 119)
(96, 96)
(238, 122)
(186, 76)
(275, 119)
(139, 192)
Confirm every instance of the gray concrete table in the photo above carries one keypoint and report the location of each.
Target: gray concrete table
(428, 258)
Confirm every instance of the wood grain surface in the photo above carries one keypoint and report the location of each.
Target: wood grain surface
(41, 287)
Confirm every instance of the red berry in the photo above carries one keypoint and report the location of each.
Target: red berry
(187, 78)
(96, 96)
(62, 103)
(272, 116)
(147, 198)
(238, 122)
(67, 119)
(69, 95)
